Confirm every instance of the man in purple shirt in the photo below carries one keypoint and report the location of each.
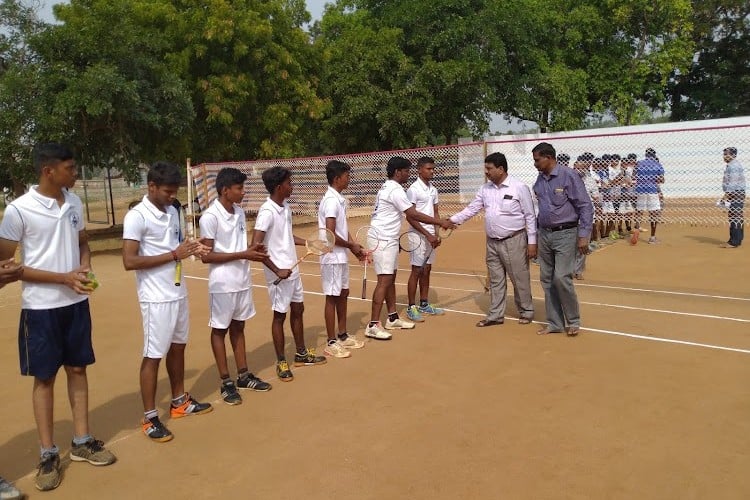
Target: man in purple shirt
(511, 238)
(565, 220)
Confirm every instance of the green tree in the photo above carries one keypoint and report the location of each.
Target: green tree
(717, 83)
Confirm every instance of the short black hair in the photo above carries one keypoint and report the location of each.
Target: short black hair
(164, 173)
(632, 156)
(50, 153)
(228, 177)
(606, 157)
(586, 156)
(731, 150)
(614, 157)
(497, 159)
(545, 149)
(650, 153)
(425, 160)
(396, 163)
(563, 158)
(275, 177)
(336, 168)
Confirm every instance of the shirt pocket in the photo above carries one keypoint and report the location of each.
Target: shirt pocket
(558, 198)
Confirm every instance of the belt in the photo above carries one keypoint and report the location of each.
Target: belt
(567, 225)
(511, 235)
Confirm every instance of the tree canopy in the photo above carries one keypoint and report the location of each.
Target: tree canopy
(129, 81)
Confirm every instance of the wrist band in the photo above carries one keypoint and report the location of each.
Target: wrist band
(174, 256)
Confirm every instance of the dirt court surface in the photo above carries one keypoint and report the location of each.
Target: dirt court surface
(651, 401)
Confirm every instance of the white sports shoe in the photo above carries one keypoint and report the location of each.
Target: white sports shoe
(352, 342)
(377, 333)
(336, 350)
(398, 324)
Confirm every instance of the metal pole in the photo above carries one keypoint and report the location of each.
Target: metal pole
(111, 199)
(85, 192)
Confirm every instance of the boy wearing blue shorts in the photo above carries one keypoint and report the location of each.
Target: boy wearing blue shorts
(55, 326)
(151, 247)
(273, 229)
(230, 293)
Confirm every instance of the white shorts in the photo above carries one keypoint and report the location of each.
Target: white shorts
(225, 307)
(164, 324)
(417, 257)
(335, 278)
(648, 201)
(626, 207)
(385, 257)
(287, 291)
(607, 207)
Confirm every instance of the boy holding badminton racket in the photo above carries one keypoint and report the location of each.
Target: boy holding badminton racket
(424, 196)
(334, 266)
(510, 224)
(273, 228)
(55, 326)
(151, 246)
(229, 282)
(391, 204)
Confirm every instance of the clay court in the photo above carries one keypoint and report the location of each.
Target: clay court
(651, 401)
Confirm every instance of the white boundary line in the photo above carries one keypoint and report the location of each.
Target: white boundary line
(595, 330)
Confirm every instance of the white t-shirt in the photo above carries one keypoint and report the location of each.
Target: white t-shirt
(276, 222)
(48, 235)
(390, 204)
(424, 198)
(334, 205)
(230, 236)
(157, 233)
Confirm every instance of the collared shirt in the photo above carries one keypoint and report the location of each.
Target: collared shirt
(48, 235)
(646, 175)
(157, 232)
(563, 199)
(508, 208)
(390, 204)
(333, 205)
(229, 233)
(734, 177)
(592, 188)
(276, 222)
(424, 197)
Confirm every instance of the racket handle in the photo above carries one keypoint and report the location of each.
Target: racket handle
(364, 287)
(178, 273)
(278, 280)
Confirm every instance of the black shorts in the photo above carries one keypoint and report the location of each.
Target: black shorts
(51, 338)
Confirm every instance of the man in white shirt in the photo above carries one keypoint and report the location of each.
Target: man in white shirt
(273, 229)
(151, 247)
(424, 196)
(510, 224)
(229, 282)
(334, 266)
(391, 204)
(55, 326)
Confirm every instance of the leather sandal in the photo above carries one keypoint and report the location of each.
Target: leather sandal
(546, 330)
(489, 322)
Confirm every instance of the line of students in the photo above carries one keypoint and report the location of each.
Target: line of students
(55, 327)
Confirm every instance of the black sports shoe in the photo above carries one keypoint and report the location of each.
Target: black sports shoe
(189, 408)
(283, 371)
(155, 430)
(309, 358)
(229, 393)
(49, 473)
(250, 381)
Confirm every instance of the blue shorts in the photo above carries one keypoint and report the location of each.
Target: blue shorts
(51, 338)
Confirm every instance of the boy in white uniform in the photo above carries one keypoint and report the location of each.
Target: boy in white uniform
(390, 205)
(55, 325)
(229, 281)
(152, 248)
(273, 228)
(334, 266)
(424, 196)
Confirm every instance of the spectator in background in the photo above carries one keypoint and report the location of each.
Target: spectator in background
(734, 187)
(582, 168)
(648, 175)
(563, 159)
